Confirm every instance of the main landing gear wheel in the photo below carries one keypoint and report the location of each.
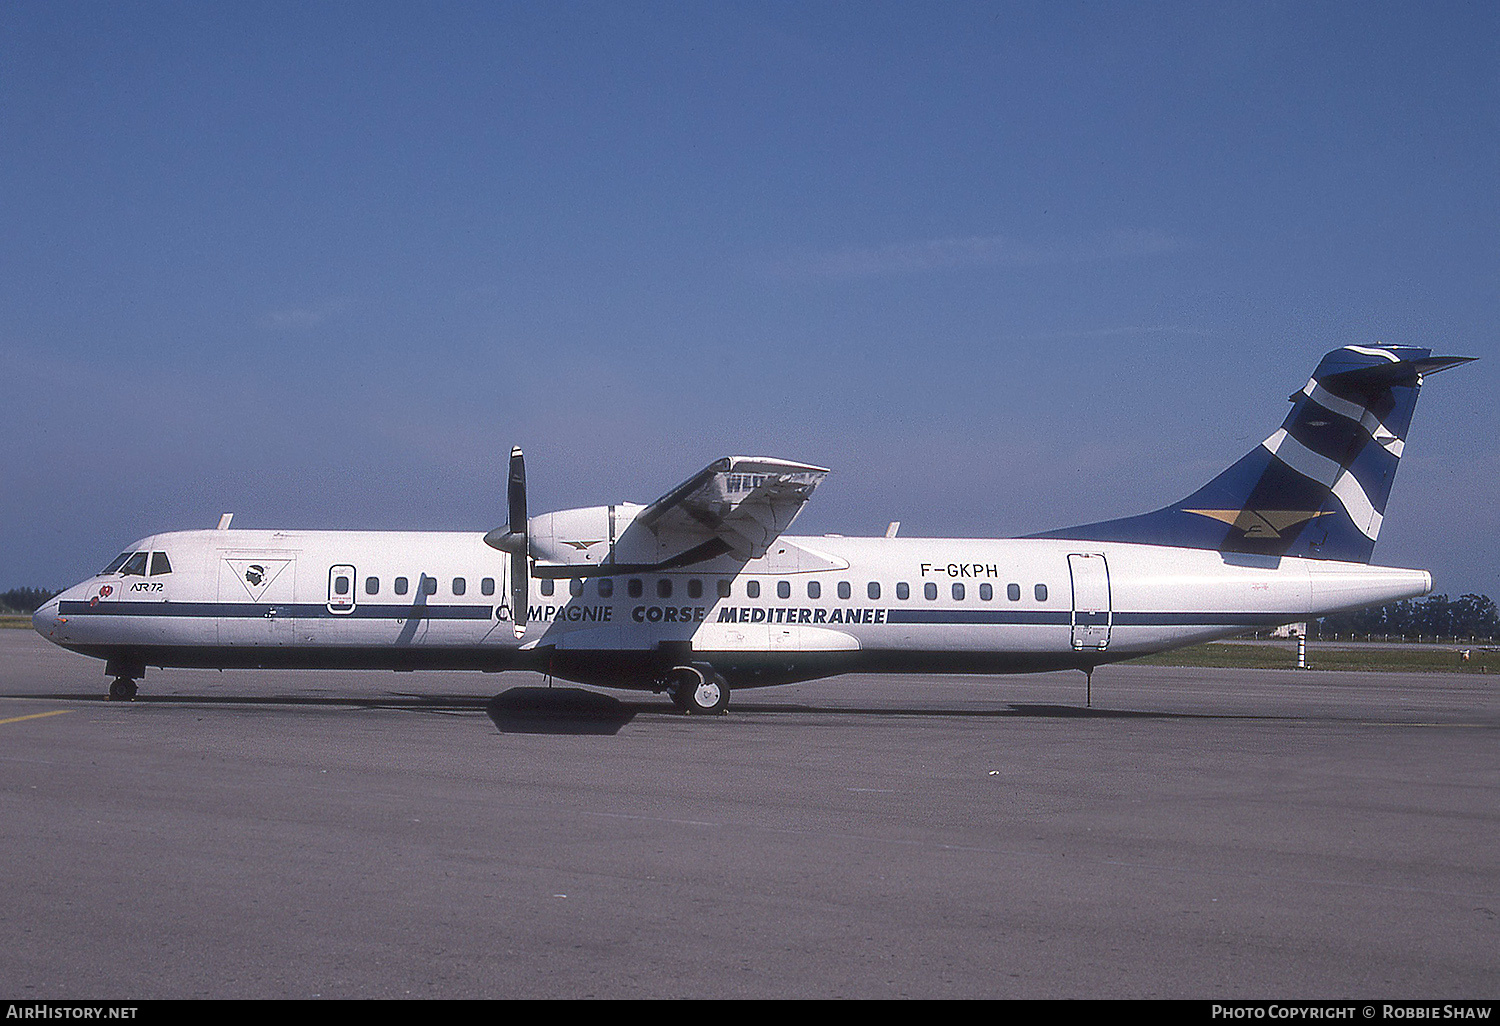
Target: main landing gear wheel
(698, 693)
(122, 689)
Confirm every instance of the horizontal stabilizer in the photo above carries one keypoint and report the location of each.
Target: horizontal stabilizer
(1375, 379)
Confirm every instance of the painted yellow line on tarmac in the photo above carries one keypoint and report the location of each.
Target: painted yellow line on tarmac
(36, 716)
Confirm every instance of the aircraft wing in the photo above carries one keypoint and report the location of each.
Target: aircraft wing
(745, 502)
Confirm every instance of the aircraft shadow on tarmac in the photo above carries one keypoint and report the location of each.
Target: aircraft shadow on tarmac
(559, 711)
(521, 710)
(1016, 710)
(576, 711)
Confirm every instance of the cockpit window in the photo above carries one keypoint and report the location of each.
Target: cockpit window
(135, 565)
(118, 562)
(160, 564)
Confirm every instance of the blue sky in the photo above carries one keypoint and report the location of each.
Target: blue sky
(1004, 267)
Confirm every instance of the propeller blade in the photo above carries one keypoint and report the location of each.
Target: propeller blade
(520, 591)
(519, 547)
(516, 492)
(513, 538)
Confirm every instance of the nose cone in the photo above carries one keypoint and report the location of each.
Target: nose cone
(45, 620)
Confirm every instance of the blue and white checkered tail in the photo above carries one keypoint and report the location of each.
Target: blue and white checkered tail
(1318, 486)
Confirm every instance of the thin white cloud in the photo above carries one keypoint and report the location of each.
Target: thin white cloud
(297, 318)
(932, 255)
(1121, 331)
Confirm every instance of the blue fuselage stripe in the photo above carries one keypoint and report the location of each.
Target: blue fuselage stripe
(240, 610)
(934, 617)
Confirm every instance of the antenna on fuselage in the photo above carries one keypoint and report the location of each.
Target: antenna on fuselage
(224, 521)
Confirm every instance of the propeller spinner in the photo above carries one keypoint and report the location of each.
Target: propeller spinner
(513, 539)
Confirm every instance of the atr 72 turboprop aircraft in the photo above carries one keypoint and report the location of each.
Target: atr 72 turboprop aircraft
(702, 591)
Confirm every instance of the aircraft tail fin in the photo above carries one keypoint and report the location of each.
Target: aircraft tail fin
(1316, 488)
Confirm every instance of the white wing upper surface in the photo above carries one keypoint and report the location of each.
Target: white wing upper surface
(743, 501)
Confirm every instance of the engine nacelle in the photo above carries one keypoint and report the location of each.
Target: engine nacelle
(590, 535)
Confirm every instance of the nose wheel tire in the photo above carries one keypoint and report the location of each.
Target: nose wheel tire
(698, 693)
(122, 689)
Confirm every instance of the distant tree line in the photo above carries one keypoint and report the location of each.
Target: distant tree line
(1469, 616)
(23, 600)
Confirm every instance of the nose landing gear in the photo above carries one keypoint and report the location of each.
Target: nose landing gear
(125, 672)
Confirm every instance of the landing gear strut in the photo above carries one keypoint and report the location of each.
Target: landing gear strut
(698, 690)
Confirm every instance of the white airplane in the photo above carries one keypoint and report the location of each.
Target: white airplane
(702, 591)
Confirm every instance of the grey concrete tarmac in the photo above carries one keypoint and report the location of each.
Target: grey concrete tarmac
(1195, 834)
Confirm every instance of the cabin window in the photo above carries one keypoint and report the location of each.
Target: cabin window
(986, 593)
(135, 565)
(635, 588)
(429, 585)
(695, 588)
(160, 564)
(400, 586)
(487, 586)
(1041, 593)
(843, 589)
(548, 586)
(783, 589)
(873, 589)
(1013, 592)
(606, 587)
(929, 591)
(814, 590)
(903, 590)
(118, 562)
(575, 587)
(460, 586)
(372, 585)
(724, 588)
(664, 587)
(958, 592)
(752, 589)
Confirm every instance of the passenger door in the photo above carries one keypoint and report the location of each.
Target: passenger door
(1092, 615)
(341, 591)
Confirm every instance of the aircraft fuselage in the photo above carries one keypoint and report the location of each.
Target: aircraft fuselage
(809, 607)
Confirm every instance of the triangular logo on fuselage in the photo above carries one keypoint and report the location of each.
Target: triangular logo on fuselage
(256, 575)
